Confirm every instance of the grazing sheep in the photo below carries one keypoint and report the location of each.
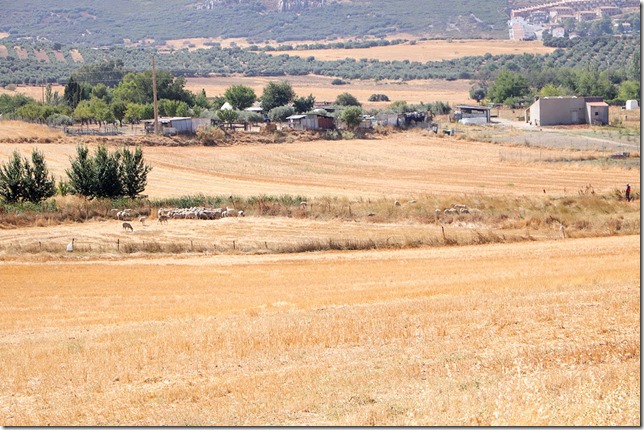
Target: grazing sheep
(127, 226)
(230, 212)
(163, 219)
(70, 246)
(397, 203)
(142, 219)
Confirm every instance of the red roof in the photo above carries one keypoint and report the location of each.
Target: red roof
(597, 104)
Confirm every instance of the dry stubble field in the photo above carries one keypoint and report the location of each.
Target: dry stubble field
(541, 332)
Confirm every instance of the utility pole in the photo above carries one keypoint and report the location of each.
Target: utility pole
(154, 97)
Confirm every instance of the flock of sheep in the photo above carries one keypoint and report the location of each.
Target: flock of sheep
(163, 215)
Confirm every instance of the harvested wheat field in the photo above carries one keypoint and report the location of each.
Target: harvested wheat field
(417, 91)
(362, 307)
(478, 335)
(428, 50)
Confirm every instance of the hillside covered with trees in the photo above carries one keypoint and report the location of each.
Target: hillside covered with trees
(95, 23)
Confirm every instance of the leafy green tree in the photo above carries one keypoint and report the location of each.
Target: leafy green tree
(250, 117)
(118, 108)
(83, 112)
(101, 112)
(440, 108)
(106, 174)
(594, 83)
(137, 88)
(352, 116)
(217, 102)
(477, 93)
(508, 85)
(133, 172)
(550, 90)
(81, 173)
(75, 92)
(280, 113)
(9, 104)
(172, 108)
(378, 98)
(635, 68)
(31, 112)
(277, 94)
(12, 176)
(201, 100)
(100, 91)
(240, 97)
(399, 106)
(24, 181)
(304, 104)
(227, 116)
(108, 73)
(39, 184)
(134, 112)
(346, 99)
(629, 90)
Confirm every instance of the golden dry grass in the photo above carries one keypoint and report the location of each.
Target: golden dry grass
(76, 55)
(421, 50)
(21, 52)
(21, 132)
(539, 332)
(427, 90)
(399, 165)
(459, 336)
(429, 50)
(35, 92)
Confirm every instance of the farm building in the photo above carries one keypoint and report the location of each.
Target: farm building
(567, 110)
(391, 119)
(311, 121)
(631, 104)
(177, 125)
(472, 114)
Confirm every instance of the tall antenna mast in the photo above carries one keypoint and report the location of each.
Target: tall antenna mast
(154, 97)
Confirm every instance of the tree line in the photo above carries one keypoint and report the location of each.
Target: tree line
(103, 174)
(601, 53)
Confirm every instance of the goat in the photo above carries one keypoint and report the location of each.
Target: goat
(127, 226)
(163, 219)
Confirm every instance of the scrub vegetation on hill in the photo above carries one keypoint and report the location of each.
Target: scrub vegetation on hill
(109, 23)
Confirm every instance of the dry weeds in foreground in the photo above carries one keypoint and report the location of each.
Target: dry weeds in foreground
(538, 333)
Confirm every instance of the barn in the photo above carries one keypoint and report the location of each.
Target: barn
(177, 125)
(472, 114)
(310, 121)
(567, 110)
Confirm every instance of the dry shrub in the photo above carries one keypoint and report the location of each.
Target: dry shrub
(211, 136)
(614, 225)
(582, 224)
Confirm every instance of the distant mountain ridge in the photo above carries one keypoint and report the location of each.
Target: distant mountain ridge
(101, 23)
